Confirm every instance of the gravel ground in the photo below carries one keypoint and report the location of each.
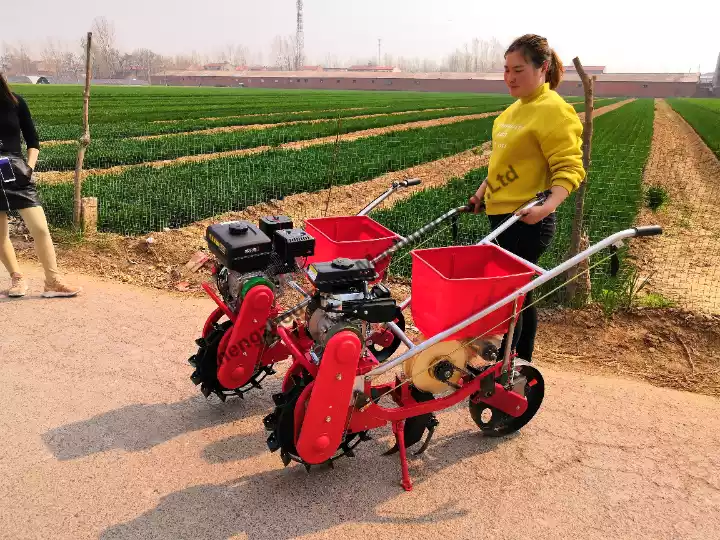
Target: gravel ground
(106, 437)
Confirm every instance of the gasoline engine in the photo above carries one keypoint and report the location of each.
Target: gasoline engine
(344, 300)
(273, 254)
(247, 256)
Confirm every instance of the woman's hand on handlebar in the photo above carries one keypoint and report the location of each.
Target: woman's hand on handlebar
(534, 215)
(478, 200)
(476, 205)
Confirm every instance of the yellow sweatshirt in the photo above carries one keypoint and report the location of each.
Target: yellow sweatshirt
(536, 144)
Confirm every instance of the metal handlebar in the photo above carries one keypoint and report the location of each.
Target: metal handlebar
(648, 230)
(470, 207)
(414, 236)
(534, 284)
(393, 188)
(409, 183)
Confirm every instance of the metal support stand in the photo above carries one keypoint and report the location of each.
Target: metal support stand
(508, 345)
(399, 429)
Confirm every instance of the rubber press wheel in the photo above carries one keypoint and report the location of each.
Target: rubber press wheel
(495, 423)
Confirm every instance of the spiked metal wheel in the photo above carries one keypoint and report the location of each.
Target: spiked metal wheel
(206, 365)
(495, 423)
(281, 425)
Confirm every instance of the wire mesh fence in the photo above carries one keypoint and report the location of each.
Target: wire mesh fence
(144, 198)
(677, 188)
(643, 171)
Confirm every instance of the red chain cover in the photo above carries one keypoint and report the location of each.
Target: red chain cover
(325, 419)
(245, 344)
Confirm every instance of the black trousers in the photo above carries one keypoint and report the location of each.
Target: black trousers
(528, 242)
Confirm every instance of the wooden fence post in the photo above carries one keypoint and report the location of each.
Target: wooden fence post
(578, 291)
(88, 215)
(85, 139)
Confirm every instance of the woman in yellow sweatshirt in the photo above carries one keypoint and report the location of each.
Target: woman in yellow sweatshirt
(536, 146)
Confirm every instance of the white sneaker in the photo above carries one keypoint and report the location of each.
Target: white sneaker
(59, 289)
(18, 287)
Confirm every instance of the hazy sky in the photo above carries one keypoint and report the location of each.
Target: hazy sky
(623, 35)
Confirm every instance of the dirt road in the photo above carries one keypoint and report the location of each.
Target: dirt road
(104, 436)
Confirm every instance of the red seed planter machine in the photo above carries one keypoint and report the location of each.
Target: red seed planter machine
(346, 331)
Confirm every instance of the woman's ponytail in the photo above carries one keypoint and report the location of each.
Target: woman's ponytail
(555, 70)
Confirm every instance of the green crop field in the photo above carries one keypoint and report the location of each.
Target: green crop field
(142, 198)
(110, 152)
(113, 151)
(704, 116)
(62, 105)
(124, 143)
(614, 195)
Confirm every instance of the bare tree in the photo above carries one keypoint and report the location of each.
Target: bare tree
(179, 62)
(147, 61)
(242, 55)
(23, 59)
(106, 58)
(484, 56)
(476, 55)
(7, 58)
(497, 54)
(411, 65)
(284, 51)
(332, 61)
(429, 65)
(479, 56)
(52, 57)
(72, 65)
(237, 55)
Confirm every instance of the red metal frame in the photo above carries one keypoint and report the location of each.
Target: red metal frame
(226, 310)
(399, 431)
(245, 345)
(298, 356)
(214, 317)
(322, 418)
(325, 420)
(505, 400)
(301, 409)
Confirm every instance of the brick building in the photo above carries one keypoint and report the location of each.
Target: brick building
(607, 84)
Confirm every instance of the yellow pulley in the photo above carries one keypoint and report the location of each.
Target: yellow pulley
(425, 368)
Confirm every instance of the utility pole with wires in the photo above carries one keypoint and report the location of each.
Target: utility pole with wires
(300, 37)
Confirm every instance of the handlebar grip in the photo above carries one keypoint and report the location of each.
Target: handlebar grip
(649, 230)
(413, 182)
